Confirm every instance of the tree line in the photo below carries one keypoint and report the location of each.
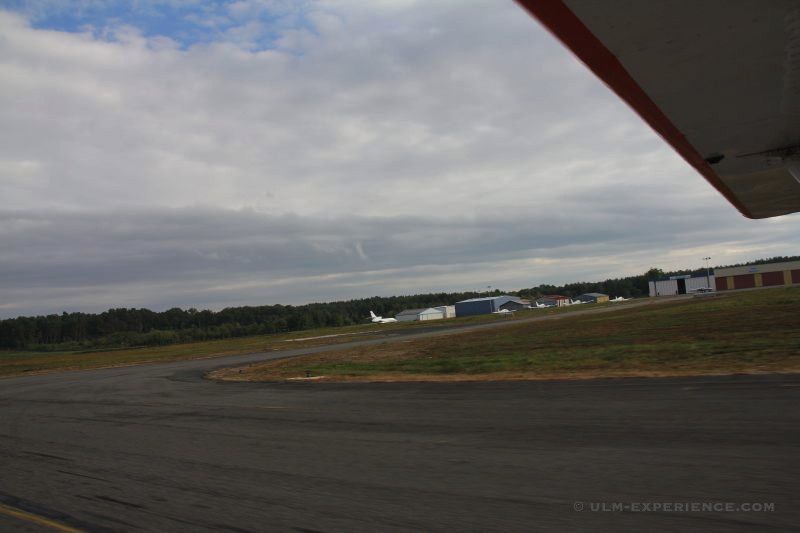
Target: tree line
(119, 328)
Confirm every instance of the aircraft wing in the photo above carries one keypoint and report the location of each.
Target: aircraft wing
(719, 80)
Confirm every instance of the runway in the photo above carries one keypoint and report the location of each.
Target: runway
(158, 448)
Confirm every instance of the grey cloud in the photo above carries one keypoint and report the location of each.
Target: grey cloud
(209, 256)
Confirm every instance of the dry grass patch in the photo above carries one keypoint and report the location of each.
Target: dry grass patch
(28, 362)
(748, 332)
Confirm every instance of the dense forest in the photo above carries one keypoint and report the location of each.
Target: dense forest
(141, 327)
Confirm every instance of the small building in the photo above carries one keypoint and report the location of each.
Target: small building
(513, 304)
(490, 304)
(593, 298)
(556, 300)
(449, 311)
(410, 315)
(682, 284)
(754, 276)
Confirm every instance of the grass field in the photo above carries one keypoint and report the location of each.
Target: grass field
(25, 362)
(741, 332)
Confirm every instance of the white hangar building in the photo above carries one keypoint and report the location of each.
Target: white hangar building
(410, 315)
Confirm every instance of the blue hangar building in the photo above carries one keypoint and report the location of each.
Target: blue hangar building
(491, 304)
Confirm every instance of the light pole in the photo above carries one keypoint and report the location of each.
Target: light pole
(708, 272)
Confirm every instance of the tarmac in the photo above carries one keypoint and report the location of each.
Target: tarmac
(159, 448)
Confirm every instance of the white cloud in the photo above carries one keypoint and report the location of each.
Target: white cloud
(370, 116)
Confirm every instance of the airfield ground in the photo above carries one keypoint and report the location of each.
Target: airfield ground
(21, 362)
(741, 332)
(737, 332)
(24, 362)
(159, 448)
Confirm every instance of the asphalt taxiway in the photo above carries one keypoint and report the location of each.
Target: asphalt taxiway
(160, 448)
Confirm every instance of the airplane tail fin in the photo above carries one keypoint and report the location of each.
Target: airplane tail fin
(372, 315)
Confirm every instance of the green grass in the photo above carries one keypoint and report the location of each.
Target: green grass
(14, 362)
(754, 331)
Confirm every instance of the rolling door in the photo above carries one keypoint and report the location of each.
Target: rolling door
(744, 281)
(771, 278)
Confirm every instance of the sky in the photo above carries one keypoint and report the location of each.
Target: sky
(171, 153)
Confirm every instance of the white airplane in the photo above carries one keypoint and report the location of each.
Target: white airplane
(619, 299)
(537, 305)
(380, 320)
(502, 312)
(576, 302)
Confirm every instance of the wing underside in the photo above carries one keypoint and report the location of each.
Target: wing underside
(719, 80)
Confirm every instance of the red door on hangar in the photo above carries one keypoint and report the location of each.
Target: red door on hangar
(769, 279)
(744, 281)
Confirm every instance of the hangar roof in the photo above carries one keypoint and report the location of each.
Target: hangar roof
(502, 299)
(417, 311)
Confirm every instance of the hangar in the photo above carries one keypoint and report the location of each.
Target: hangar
(753, 276)
(409, 315)
(593, 298)
(448, 310)
(491, 304)
(555, 300)
(681, 284)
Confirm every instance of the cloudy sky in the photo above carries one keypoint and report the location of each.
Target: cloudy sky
(170, 153)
